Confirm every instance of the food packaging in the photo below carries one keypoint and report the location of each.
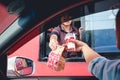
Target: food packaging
(56, 61)
(70, 45)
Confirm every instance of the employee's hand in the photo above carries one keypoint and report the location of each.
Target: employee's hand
(53, 44)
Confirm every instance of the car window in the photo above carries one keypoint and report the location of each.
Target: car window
(44, 42)
(98, 32)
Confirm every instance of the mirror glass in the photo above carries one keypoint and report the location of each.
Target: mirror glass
(23, 66)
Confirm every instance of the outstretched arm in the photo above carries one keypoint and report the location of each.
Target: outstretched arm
(101, 67)
(53, 42)
(88, 53)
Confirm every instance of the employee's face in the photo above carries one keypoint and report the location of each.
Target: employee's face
(67, 23)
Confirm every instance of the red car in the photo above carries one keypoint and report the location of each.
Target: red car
(25, 27)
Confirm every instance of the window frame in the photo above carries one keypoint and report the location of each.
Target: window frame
(89, 40)
(42, 51)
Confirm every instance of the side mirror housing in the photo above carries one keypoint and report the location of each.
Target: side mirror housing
(23, 66)
(20, 66)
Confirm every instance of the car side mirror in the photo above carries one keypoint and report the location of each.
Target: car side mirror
(23, 66)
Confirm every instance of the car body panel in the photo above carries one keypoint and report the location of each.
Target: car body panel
(5, 18)
(31, 50)
(26, 44)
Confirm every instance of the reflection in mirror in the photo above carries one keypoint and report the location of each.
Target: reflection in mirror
(23, 66)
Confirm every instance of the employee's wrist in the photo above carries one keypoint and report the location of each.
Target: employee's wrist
(52, 40)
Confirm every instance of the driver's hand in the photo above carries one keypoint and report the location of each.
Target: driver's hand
(78, 44)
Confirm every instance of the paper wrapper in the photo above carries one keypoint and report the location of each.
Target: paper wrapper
(68, 37)
(56, 61)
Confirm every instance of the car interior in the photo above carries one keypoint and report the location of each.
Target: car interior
(23, 20)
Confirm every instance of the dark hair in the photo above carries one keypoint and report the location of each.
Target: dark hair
(65, 17)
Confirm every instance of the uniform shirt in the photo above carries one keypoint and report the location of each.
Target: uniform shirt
(105, 69)
(60, 32)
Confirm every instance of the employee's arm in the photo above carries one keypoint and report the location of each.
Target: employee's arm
(53, 41)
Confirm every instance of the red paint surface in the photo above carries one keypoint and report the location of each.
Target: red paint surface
(31, 50)
(5, 18)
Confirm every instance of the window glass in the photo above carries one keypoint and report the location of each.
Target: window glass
(100, 31)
